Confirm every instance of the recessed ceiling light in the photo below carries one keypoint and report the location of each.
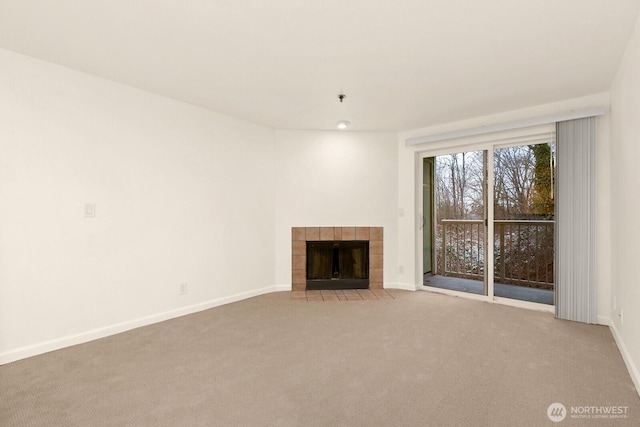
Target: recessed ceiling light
(343, 124)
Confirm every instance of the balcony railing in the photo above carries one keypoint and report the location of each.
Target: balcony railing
(523, 251)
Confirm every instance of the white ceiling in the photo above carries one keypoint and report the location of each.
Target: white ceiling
(402, 64)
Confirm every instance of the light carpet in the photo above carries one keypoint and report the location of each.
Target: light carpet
(419, 359)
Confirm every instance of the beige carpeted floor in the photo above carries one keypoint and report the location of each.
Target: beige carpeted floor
(417, 359)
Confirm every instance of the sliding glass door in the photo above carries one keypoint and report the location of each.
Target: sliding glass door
(521, 221)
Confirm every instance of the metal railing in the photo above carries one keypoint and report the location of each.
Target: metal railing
(523, 251)
(462, 248)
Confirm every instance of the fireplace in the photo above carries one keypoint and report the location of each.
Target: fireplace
(337, 264)
(336, 258)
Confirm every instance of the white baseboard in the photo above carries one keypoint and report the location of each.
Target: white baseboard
(631, 366)
(401, 286)
(83, 337)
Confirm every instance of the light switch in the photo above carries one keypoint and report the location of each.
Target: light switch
(89, 210)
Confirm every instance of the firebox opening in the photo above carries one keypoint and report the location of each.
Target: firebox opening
(337, 265)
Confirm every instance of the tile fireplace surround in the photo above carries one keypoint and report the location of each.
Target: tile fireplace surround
(301, 235)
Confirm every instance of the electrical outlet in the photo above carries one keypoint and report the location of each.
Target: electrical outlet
(184, 288)
(401, 269)
(89, 210)
(621, 317)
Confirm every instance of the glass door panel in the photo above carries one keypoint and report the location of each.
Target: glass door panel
(458, 214)
(523, 203)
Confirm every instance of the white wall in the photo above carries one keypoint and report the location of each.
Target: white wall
(407, 233)
(336, 179)
(183, 195)
(625, 204)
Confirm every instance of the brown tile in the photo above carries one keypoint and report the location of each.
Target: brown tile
(299, 299)
(298, 287)
(348, 233)
(341, 297)
(337, 233)
(375, 275)
(375, 285)
(333, 297)
(384, 296)
(298, 262)
(375, 262)
(376, 233)
(298, 295)
(326, 233)
(362, 233)
(314, 296)
(375, 247)
(299, 276)
(298, 247)
(312, 233)
(351, 294)
(297, 233)
(369, 297)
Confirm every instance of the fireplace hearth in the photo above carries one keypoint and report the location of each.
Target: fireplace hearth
(336, 258)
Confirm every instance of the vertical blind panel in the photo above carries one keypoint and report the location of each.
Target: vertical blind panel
(575, 280)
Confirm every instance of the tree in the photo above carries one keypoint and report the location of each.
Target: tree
(513, 176)
(542, 200)
(459, 186)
